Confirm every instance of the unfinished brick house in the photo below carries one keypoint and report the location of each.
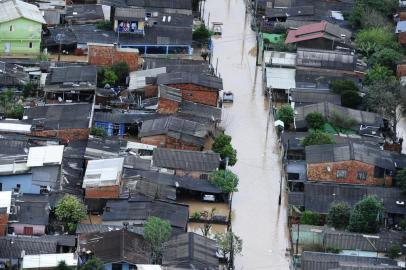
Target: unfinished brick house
(199, 88)
(68, 122)
(175, 133)
(169, 99)
(352, 163)
(186, 163)
(102, 179)
(105, 55)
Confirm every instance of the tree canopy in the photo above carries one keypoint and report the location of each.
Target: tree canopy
(286, 115)
(310, 218)
(98, 132)
(70, 211)
(228, 242)
(401, 180)
(225, 180)
(157, 231)
(378, 73)
(386, 57)
(366, 217)
(122, 70)
(222, 145)
(371, 40)
(318, 137)
(339, 215)
(9, 105)
(315, 120)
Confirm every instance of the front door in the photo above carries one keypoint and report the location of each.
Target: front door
(7, 47)
(28, 230)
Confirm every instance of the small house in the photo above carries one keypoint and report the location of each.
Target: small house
(344, 60)
(186, 163)
(20, 28)
(306, 96)
(48, 261)
(5, 205)
(71, 84)
(175, 133)
(195, 87)
(352, 163)
(102, 178)
(321, 35)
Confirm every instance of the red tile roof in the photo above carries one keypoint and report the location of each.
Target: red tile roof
(306, 32)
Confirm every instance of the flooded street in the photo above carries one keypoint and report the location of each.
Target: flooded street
(258, 219)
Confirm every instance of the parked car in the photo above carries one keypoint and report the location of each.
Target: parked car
(228, 97)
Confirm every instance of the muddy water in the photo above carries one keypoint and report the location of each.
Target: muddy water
(258, 219)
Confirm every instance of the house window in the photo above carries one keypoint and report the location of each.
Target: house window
(30, 45)
(116, 266)
(11, 28)
(341, 174)
(293, 176)
(379, 172)
(28, 230)
(362, 175)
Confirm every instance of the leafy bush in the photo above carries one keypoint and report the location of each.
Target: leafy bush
(401, 180)
(156, 232)
(318, 137)
(394, 251)
(122, 70)
(315, 120)
(16, 112)
(386, 57)
(333, 250)
(378, 73)
(341, 122)
(106, 25)
(279, 29)
(195, 215)
(350, 99)
(366, 217)
(341, 86)
(222, 145)
(339, 215)
(310, 218)
(98, 132)
(280, 46)
(225, 180)
(109, 77)
(201, 33)
(286, 115)
(374, 39)
(70, 211)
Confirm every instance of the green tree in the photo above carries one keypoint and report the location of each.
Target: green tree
(222, 145)
(341, 86)
(394, 251)
(201, 33)
(225, 180)
(315, 120)
(63, 266)
(339, 215)
(386, 57)
(310, 218)
(157, 231)
(385, 97)
(350, 99)
(318, 137)
(29, 90)
(368, 14)
(98, 132)
(342, 123)
(110, 77)
(374, 39)
(70, 211)
(208, 221)
(401, 180)
(228, 242)
(93, 264)
(122, 70)
(366, 217)
(16, 112)
(286, 115)
(9, 105)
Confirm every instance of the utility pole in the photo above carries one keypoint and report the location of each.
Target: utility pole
(280, 191)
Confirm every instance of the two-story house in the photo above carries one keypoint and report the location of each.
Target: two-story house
(20, 28)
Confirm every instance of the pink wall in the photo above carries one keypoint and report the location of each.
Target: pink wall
(37, 229)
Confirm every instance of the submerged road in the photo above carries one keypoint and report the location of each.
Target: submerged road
(257, 217)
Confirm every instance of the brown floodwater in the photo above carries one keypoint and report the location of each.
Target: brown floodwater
(258, 219)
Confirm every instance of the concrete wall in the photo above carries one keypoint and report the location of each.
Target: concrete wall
(319, 172)
(25, 180)
(23, 32)
(198, 94)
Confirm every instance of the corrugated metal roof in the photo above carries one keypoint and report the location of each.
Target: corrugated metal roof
(129, 13)
(137, 78)
(194, 78)
(326, 59)
(14, 9)
(45, 155)
(274, 58)
(280, 78)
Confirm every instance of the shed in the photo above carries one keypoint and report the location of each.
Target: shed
(48, 260)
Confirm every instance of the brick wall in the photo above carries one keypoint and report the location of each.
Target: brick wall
(105, 56)
(3, 223)
(109, 192)
(65, 135)
(401, 70)
(150, 91)
(198, 94)
(402, 38)
(319, 172)
(166, 106)
(169, 142)
(402, 16)
(195, 175)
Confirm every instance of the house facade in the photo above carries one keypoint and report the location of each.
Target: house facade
(20, 28)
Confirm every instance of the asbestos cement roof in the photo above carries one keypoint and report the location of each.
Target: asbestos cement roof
(326, 59)
(194, 78)
(280, 78)
(103, 172)
(45, 155)
(48, 260)
(30, 245)
(186, 160)
(15, 9)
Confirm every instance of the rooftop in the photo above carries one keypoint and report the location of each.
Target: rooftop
(14, 9)
(326, 59)
(11, 247)
(73, 74)
(280, 78)
(306, 96)
(103, 172)
(33, 209)
(193, 78)
(176, 64)
(186, 160)
(200, 110)
(48, 260)
(45, 155)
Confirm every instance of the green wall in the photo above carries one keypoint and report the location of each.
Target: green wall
(23, 32)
